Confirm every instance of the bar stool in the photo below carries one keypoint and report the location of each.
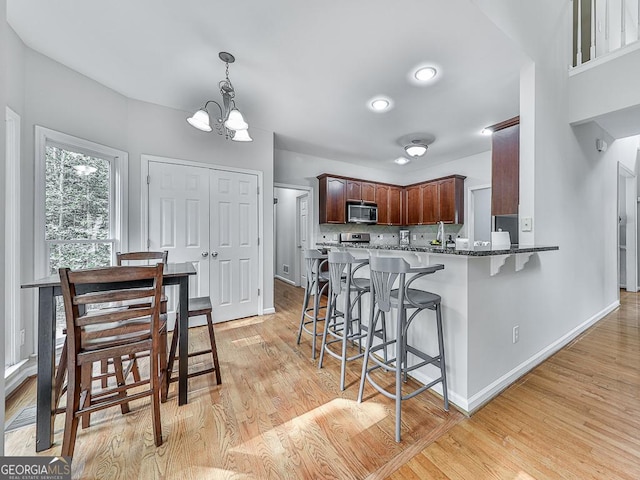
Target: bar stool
(384, 272)
(317, 282)
(340, 324)
(197, 306)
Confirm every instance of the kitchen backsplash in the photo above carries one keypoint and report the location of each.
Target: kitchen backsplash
(386, 235)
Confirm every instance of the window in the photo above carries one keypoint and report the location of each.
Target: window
(80, 204)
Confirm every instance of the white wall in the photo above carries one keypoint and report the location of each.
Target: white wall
(286, 249)
(59, 98)
(608, 87)
(3, 101)
(569, 187)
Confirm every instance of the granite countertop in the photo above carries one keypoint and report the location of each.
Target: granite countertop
(474, 252)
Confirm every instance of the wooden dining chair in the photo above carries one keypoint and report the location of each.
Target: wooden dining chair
(96, 333)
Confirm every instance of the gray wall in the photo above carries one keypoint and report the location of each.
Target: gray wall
(51, 95)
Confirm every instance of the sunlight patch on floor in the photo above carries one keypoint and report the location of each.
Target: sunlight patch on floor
(211, 473)
(243, 322)
(363, 416)
(247, 341)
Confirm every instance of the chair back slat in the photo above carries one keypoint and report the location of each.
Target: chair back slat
(338, 263)
(110, 296)
(128, 257)
(113, 315)
(312, 260)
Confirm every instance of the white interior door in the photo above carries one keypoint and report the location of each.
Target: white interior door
(179, 221)
(303, 235)
(234, 245)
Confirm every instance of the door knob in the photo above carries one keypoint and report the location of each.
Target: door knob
(205, 254)
(214, 254)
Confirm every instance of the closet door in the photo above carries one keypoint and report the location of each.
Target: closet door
(179, 221)
(234, 244)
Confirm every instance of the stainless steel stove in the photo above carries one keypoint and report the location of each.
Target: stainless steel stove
(355, 238)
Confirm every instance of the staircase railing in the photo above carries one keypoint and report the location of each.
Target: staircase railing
(603, 26)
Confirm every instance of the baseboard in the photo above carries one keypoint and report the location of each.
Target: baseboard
(493, 389)
(285, 280)
(473, 403)
(28, 368)
(268, 311)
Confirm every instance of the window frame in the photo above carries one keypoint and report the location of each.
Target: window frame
(118, 204)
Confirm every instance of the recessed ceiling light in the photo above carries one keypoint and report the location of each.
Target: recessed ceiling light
(486, 131)
(380, 104)
(402, 160)
(425, 74)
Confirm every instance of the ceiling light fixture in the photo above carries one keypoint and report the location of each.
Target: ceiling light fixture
(230, 123)
(425, 74)
(416, 148)
(380, 104)
(402, 160)
(486, 131)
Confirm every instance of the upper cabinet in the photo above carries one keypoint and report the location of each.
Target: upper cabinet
(440, 200)
(505, 167)
(333, 196)
(425, 203)
(389, 201)
(358, 191)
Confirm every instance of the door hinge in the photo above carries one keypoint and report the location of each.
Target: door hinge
(258, 292)
(258, 190)
(258, 240)
(148, 179)
(275, 200)
(148, 243)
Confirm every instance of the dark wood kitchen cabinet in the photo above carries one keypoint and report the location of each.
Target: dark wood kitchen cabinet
(333, 199)
(505, 167)
(389, 202)
(358, 191)
(436, 200)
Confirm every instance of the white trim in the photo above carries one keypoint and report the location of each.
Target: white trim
(268, 311)
(145, 159)
(619, 52)
(120, 189)
(474, 402)
(285, 280)
(12, 239)
(14, 377)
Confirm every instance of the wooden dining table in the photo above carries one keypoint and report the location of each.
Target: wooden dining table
(48, 289)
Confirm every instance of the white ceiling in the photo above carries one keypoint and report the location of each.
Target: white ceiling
(304, 70)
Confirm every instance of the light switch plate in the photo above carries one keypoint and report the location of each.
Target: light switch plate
(527, 224)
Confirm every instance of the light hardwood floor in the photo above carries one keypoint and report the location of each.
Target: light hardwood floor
(576, 416)
(276, 415)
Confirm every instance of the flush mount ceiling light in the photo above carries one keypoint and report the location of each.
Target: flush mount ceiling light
(424, 74)
(415, 144)
(402, 160)
(379, 104)
(486, 131)
(415, 149)
(230, 122)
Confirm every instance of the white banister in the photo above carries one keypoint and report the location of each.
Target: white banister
(612, 25)
(623, 23)
(579, 42)
(592, 50)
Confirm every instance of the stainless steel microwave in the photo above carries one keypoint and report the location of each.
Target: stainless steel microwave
(360, 213)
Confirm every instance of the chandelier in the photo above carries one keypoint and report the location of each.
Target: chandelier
(230, 122)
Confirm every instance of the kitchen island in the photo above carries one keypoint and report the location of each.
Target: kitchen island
(490, 309)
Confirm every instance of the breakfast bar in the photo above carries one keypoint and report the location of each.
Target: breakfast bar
(490, 307)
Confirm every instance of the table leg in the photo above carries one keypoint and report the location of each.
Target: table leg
(46, 365)
(183, 366)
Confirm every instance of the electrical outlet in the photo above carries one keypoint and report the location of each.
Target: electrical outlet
(516, 334)
(527, 224)
(335, 237)
(414, 236)
(285, 268)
